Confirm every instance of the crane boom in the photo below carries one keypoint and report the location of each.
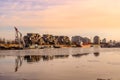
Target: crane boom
(18, 37)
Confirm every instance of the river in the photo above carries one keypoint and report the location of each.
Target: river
(60, 64)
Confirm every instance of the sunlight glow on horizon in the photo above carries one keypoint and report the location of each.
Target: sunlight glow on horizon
(64, 17)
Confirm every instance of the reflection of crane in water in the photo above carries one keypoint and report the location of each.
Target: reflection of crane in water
(18, 62)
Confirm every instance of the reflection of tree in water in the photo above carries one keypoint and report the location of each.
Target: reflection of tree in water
(18, 62)
(79, 55)
(96, 54)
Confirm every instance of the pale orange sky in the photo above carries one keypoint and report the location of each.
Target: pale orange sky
(64, 17)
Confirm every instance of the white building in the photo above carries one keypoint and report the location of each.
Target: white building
(96, 40)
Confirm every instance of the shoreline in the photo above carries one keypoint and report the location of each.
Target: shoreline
(21, 47)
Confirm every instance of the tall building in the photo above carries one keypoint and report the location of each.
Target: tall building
(33, 38)
(86, 40)
(96, 40)
(104, 40)
(77, 40)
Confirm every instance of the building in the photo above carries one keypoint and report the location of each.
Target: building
(46, 39)
(64, 40)
(96, 40)
(77, 40)
(49, 39)
(104, 40)
(80, 40)
(33, 38)
(86, 40)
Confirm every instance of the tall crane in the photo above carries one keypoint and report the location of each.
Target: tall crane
(18, 37)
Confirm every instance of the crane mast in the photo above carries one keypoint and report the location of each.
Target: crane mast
(18, 37)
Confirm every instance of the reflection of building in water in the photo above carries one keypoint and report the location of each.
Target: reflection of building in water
(79, 55)
(18, 62)
(61, 56)
(47, 57)
(32, 58)
(2, 56)
(51, 57)
(96, 54)
(36, 58)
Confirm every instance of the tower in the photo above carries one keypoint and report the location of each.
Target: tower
(96, 40)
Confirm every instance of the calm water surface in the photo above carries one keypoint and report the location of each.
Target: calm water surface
(60, 64)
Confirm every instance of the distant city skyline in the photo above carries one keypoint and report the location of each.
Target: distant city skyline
(86, 18)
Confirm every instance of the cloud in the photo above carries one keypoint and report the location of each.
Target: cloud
(27, 4)
(22, 12)
(63, 16)
(62, 13)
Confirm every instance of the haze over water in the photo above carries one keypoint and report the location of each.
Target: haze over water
(60, 64)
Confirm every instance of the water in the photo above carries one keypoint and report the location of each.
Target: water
(60, 64)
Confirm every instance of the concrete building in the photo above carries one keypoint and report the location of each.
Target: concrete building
(49, 39)
(64, 40)
(77, 40)
(33, 38)
(104, 40)
(96, 40)
(86, 40)
(46, 39)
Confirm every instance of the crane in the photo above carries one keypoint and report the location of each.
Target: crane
(18, 37)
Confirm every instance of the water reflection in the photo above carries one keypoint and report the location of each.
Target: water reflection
(61, 56)
(32, 58)
(18, 62)
(47, 57)
(58, 65)
(79, 55)
(2, 56)
(37, 58)
(96, 54)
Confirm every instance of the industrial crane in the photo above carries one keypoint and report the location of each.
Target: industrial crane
(18, 37)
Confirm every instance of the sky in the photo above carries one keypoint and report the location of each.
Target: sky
(86, 18)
